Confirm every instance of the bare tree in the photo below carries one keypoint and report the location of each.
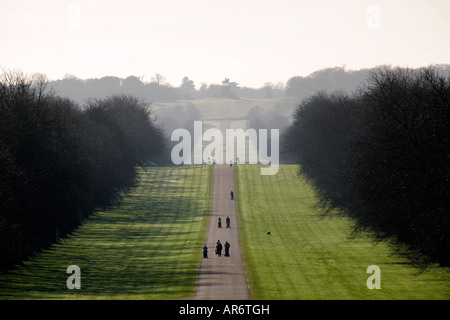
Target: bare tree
(159, 79)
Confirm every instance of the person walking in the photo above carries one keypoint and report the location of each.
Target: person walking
(227, 249)
(219, 248)
(205, 251)
(228, 222)
(232, 195)
(219, 223)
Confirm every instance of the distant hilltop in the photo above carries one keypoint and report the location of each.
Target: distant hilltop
(157, 90)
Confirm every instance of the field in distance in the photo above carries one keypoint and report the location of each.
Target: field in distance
(231, 109)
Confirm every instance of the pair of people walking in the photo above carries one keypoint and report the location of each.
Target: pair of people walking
(219, 248)
(219, 222)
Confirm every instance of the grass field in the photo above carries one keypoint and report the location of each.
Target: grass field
(137, 250)
(308, 256)
(227, 109)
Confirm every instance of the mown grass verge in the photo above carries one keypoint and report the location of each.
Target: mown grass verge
(137, 250)
(308, 256)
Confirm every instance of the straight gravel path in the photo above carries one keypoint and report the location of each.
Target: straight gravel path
(222, 278)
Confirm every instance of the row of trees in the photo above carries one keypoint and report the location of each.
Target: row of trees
(382, 157)
(60, 162)
(333, 79)
(159, 90)
(156, 90)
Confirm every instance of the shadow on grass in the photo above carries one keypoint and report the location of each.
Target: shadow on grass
(138, 250)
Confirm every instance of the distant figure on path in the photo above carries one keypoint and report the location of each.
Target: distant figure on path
(232, 195)
(219, 223)
(219, 248)
(205, 251)
(228, 222)
(227, 249)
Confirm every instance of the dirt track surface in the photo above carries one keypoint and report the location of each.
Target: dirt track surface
(222, 278)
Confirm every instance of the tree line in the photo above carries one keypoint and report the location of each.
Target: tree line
(156, 90)
(381, 156)
(159, 90)
(60, 162)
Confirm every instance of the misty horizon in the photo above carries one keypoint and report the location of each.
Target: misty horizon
(158, 89)
(280, 84)
(249, 42)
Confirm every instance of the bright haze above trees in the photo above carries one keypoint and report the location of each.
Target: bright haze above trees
(250, 42)
(158, 89)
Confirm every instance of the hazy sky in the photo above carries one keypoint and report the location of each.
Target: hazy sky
(249, 41)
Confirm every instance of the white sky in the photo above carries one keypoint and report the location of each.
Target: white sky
(249, 41)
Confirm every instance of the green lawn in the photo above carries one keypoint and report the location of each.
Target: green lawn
(311, 257)
(137, 250)
(228, 109)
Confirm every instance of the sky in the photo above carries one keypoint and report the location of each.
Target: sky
(251, 42)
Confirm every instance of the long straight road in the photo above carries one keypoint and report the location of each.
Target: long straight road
(222, 278)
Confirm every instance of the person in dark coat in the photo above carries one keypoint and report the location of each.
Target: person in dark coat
(205, 251)
(228, 222)
(219, 223)
(227, 249)
(219, 248)
(232, 195)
